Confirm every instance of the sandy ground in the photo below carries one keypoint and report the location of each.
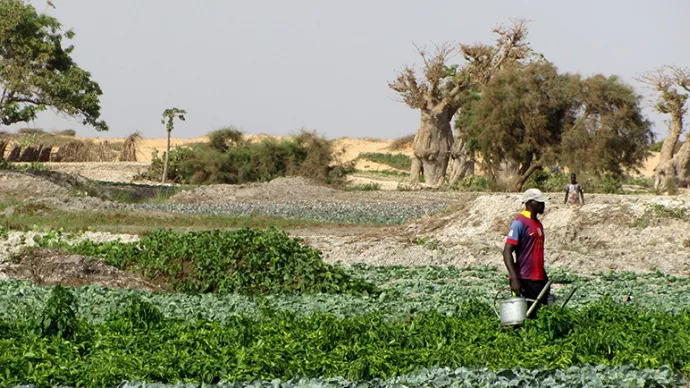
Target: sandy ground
(639, 233)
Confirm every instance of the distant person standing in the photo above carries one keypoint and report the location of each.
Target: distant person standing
(573, 192)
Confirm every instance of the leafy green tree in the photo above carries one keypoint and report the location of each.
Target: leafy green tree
(169, 116)
(37, 71)
(529, 117)
(610, 135)
(518, 121)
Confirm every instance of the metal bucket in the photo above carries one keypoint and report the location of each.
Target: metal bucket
(513, 311)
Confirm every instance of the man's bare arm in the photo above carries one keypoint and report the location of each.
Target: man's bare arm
(508, 250)
(582, 195)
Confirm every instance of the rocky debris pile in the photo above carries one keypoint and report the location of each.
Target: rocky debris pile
(277, 190)
(13, 243)
(18, 185)
(46, 267)
(21, 260)
(635, 233)
(388, 213)
(105, 172)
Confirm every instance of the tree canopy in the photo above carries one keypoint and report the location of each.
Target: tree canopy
(529, 117)
(37, 71)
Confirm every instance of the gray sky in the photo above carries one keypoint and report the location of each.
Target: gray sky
(276, 66)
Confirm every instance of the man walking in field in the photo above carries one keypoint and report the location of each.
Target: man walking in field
(526, 239)
(573, 192)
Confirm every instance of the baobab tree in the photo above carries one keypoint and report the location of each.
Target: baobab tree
(439, 93)
(672, 85)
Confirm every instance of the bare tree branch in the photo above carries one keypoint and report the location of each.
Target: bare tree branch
(681, 76)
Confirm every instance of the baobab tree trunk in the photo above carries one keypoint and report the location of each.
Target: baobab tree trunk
(461, 162)
(512, 176)
(432, 146)
(681, 164)
(665, 169)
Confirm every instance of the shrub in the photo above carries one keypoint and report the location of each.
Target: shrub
(31, 131)
(547, 182)
(397, 161)
(138, 314)
(66, 132)
(372, 186)
(476, 183)
(246, 261)
(58, 317)
(222, 139)
(305, 154)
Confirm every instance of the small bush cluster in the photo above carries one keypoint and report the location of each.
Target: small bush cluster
(228, 158)
(246, 261)
(397, 161)
(556, 182)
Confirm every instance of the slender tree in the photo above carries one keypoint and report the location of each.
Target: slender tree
(169, 115)
(439, 92)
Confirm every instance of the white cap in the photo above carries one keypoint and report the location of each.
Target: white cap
(533, 195)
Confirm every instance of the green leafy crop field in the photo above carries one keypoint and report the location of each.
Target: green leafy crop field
(383, 326)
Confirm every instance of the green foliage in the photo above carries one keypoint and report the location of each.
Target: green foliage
(169, 115)
(284, 346)
(138, 314)
(548, 182)
(532, 116)
(222, 139)
(58, 317)
(33, 166)
(477, 183)
(611, 135)
(305, 154)
(656, 147)
(372, 186)
(397, 161)
(246, 261)
(37, 71)
(556, 182)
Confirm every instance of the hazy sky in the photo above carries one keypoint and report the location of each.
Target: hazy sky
(276, 66)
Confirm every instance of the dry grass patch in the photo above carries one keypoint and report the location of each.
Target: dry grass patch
(129, 148)
(85, 151)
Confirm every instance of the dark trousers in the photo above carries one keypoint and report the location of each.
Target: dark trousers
(530, 289)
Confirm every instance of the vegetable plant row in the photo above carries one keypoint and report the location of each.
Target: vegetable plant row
(404, 291)
(585, 376)
(246, 261)
(57, 347)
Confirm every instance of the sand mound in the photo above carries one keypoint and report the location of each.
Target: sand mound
(635, 233)
(21, 186)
